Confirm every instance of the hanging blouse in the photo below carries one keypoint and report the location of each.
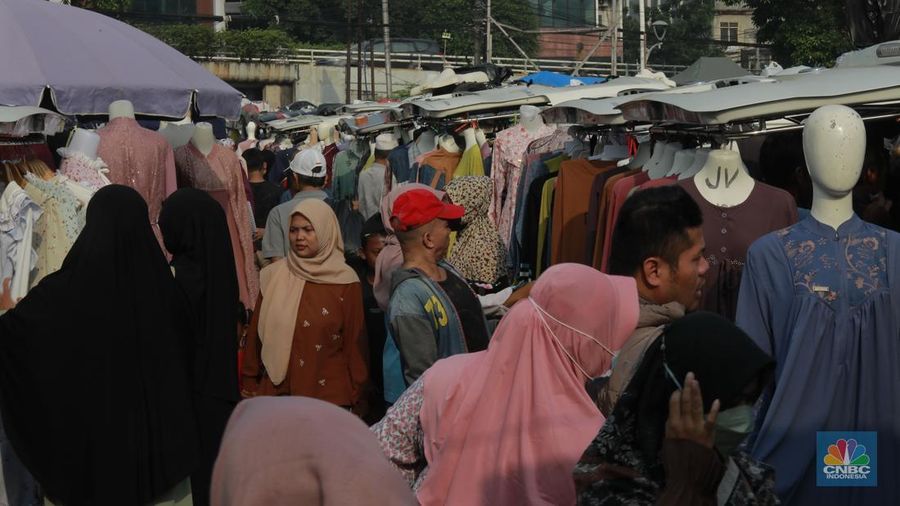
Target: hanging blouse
(219, 174)
(18, 214)
(509, 151)
(59, 225)
(86, 172)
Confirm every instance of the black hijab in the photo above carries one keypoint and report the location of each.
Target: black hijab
(722, 357)
(195, 232)
(93, 378)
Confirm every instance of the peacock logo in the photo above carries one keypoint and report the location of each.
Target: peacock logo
(846, 452)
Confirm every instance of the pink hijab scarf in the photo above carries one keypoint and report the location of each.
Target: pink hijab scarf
(391, 257)
(285, 451)
(508, 425)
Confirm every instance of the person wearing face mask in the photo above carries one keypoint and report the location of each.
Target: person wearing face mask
(507, 425)
(433, 313)
(658, 240)
(669, 442)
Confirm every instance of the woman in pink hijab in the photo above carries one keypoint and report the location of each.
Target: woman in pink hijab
(285, 451)
(507, 425)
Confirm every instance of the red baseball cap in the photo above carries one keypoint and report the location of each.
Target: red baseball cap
(418, 207)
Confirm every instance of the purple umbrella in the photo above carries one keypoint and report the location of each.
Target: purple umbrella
(86, 60)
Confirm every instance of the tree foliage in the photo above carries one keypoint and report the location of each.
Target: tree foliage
(202, 41)
(802, 32)
(102, 5)
(689, 34)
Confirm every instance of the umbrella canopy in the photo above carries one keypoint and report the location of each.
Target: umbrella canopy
(87, 60)
(707, 69)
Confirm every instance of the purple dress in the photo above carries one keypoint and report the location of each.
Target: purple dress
(826, 305)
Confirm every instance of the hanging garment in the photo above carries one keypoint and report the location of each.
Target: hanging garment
(620, 191)
(729, 232)
(329, 152)
(371, 190)
(603, 211)
(596, 217)
(825, 304)
(436, 168)
(400, 162)
(548, 194)
(89, 173)
(573, 194)
(141, 159)
(346, 169)
(58, 226)
(508, 155)
(95, 392)
(219, 174)
(18, 259)
(478, 254)
(471, 163)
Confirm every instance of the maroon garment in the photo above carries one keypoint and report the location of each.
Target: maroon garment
(729, 232)
(26, 151)
(329, 153)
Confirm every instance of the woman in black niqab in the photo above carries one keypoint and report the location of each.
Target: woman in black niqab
(195, 232)
(93, 374)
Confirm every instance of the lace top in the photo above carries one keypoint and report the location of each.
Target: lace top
(89, 173)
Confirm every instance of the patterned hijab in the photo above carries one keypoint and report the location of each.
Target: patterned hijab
(479, 253)
(283, 282)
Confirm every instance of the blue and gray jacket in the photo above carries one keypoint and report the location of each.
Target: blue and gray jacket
(423, 324)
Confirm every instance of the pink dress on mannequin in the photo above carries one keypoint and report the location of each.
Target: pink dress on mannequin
(219, 174)
(141, 159)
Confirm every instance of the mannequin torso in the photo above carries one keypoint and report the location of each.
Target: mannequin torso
(700, 157)
(448, 144)
(84, 142)
(665, 162)
(684, 159)
(426, 142)
(471, 140)
(642, 157)
(203, 138)
(658, 150)
(530, 118)
(723, 181)
(480, 137)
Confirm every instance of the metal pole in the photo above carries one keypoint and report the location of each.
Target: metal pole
(385, 16)
(597, 13)
(643, 22)
(489, 47)
(359, 51)
(347, 67)
(372, 54)
(614, 50)
(523, 53)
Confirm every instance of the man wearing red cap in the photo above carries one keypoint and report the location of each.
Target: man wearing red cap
(433, 313)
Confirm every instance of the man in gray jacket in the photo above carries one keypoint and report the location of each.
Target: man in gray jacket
(658, 240)
(433, 313)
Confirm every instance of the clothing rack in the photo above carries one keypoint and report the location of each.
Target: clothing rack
(22, 141)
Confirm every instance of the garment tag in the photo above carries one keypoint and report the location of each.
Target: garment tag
(820, 288)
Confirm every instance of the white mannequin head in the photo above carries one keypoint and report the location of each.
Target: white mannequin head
(426, 141)
(530, 117)
(324, 131)
(664, 163)
(203, 138)
(834, 143)
(448, 143)
(84, 142)
(251, 131)
(121, 109)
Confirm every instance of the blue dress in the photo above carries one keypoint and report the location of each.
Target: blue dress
(826, 305)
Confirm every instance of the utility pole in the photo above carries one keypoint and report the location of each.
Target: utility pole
(360, 37)
(643, 22)
(387, 45)
(347, 65)
(489, 46)
(614, 50)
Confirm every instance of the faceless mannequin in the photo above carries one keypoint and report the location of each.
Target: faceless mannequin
(700, 156)
(313, 138)
(447, 143)
(84, 142)
(480, 137)
(665, 162)
(683, 161)
(426, 142)
(723, 181)
(530, 118)
(251, 131)
(658, 150)
(323, 131)
(614, 152)
(203, 138)
(121, 109)
(642, 157)
(471, 140)
(834, 143)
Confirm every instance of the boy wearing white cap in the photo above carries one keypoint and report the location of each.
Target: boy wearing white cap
(371, 186)
(306, 177)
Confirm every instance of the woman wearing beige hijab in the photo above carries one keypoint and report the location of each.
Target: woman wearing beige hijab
(307, 336)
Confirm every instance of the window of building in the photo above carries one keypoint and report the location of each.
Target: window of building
(565, 13)
(728, 32)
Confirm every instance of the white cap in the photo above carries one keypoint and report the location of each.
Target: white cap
(310, 163)
(385, 142)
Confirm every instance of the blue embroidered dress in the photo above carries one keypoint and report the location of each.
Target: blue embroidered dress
(826, 305)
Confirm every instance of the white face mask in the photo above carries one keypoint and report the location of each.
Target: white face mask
(542, 313)
(733, 426)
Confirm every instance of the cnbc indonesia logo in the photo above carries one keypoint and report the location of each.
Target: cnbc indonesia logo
(847, 459)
